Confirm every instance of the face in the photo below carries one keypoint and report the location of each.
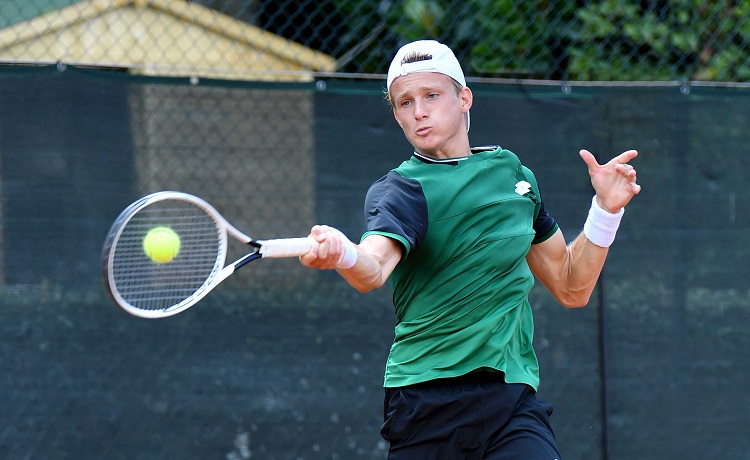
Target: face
(431, 114)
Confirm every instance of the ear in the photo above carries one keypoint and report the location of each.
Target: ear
(467, 99)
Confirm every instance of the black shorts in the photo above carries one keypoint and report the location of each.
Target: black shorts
(476, 416)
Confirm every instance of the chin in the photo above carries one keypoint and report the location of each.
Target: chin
(425, 147)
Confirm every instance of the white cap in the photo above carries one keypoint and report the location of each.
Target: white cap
(439, 59)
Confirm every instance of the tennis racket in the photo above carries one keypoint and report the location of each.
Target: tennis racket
(151, 288)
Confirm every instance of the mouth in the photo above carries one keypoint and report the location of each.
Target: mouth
(423, 130)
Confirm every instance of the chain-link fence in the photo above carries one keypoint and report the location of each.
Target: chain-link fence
(573, 40)
(283, 362)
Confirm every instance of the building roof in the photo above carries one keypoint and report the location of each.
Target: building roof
(158, 37)
(15, 12)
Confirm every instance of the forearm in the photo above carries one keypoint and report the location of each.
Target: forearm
(366, 274)
(377, 256)
(582, 268)
(365, 266)
(571, 271)
(588, 251)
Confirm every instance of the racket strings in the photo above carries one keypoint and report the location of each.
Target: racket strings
(149, 285)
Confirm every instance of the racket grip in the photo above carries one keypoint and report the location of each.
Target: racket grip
(285, 247)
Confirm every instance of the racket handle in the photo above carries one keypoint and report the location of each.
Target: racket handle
(286, 247)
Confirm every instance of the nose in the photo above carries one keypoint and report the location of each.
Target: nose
(420, 110)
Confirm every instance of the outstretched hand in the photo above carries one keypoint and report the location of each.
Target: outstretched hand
(614, 182)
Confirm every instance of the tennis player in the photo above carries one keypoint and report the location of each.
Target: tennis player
(459, 234)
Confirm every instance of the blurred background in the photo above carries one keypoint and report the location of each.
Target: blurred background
(273, 111)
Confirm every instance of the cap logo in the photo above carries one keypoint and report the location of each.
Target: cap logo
(415, 56)
(417, 62)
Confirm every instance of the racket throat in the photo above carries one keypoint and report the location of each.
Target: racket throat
(247, 259)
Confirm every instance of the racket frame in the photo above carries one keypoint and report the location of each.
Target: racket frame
(283, 248)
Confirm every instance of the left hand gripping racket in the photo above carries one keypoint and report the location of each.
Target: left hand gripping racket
(150, 289)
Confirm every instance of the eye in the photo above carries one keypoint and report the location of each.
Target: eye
(432, 95)
(405, 103)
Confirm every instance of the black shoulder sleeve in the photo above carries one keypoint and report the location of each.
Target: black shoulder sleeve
(544, 224)
(396, 206)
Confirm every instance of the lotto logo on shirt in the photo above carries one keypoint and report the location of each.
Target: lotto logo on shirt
(523, 187)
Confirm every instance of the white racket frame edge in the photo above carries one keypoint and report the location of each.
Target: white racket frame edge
(276, 248)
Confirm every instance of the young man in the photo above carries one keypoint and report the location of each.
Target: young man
(460, 234)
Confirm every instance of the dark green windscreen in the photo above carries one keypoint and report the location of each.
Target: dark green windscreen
(282, 362)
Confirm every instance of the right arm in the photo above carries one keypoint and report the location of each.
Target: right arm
(377, 256)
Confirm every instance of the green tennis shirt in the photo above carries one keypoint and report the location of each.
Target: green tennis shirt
(461, 290)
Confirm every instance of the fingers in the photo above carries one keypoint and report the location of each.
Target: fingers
(630, 174)
(589, 159)
(634, 186)
(318, 232)
(622, 158)
(626, 170)
(327, 253)
(615, 181)
(625, 157)
(618, 163)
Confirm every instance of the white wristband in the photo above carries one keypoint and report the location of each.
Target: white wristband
(349, 258)
(600, 227)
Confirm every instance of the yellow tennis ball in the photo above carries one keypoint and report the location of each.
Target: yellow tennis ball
(161, 244)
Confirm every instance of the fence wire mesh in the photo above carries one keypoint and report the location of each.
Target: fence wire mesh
(285, 362)
(275, 40)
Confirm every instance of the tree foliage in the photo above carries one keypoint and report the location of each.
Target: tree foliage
(564, 39)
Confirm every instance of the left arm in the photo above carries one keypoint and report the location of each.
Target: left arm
(570, 271)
